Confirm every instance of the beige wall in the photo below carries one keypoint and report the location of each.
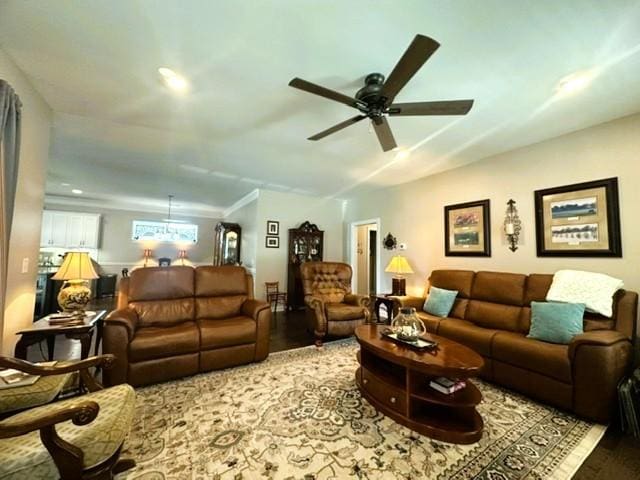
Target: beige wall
(413, 212)
(291, 210)
(25, 233)
(117, 249)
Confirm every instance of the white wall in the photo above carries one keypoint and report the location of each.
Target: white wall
(117, 249)
(413, 212)
(25, 233)
(290, 210)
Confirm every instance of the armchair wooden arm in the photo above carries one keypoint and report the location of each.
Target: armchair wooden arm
(68, 458)
(104, 361)
(81, 413)
(81, 366)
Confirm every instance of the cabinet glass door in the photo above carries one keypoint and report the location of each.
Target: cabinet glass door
(231, 248)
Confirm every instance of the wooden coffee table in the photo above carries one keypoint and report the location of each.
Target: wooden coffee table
(395, 380)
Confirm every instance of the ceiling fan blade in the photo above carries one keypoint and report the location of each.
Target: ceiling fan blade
(383, 131)
(337, 127)
(414, 57)
(323, 92)
(450, 107)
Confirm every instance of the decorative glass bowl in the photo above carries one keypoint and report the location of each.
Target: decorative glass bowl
(407, 325)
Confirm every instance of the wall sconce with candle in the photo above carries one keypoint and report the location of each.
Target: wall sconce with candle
(512, 225)
(147, 256)
(182, 255)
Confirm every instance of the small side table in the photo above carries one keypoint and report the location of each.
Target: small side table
(383, 299)
(41, 330)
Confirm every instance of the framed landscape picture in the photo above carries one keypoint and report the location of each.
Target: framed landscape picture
(580, 220)
(467, 229)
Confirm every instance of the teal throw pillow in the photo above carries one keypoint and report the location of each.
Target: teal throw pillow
(556, 322)
(440, 301)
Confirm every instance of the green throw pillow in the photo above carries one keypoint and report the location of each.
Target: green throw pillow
(556, 322)
(440, 301)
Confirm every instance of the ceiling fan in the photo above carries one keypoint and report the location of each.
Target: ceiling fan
(375, 99)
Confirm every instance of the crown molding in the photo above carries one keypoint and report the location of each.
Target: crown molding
(105, 204)
(248, 198)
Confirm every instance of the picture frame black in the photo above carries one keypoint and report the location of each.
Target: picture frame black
(605, 221)
(273, 227)
(271, 242)
(474, 236)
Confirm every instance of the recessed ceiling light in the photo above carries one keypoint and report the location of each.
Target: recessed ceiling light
(65, 184)
(77, 191)
(173, 80)
(575, 82)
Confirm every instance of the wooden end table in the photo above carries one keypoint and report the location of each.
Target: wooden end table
(41, 330)
(395, 379)
(383, 299)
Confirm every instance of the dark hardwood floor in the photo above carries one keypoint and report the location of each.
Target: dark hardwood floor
(617, 456)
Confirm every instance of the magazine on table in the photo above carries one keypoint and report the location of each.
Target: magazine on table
(11, 378)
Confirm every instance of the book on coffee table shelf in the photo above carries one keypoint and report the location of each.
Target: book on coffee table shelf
(447, 385)
(10, 378)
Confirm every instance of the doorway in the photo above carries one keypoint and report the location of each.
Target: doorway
(365, 256)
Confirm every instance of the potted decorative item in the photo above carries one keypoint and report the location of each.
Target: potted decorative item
(407, 326)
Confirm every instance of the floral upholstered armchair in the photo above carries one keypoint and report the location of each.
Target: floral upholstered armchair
(77, 438)
(332, 308)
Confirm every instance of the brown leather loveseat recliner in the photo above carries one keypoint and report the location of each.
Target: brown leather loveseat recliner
(492, 316)
(178, 321)
(331, 307)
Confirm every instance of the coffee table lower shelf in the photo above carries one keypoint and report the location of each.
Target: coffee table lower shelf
(410, 402)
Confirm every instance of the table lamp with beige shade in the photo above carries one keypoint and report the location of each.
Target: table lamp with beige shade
(399, 266)
(76, 270)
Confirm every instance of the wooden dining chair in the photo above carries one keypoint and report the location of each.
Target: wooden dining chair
(274, 295)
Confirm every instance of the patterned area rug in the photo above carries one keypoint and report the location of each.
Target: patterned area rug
(299, 415)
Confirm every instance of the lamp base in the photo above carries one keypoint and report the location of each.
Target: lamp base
(398, 286)
(74, 295)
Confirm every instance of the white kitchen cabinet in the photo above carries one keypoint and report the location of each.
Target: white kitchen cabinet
(47, 225)
(70, 229)
(54, 229)
(75, 230)
(90, 231)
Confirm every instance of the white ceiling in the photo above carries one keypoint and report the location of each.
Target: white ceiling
(119, 135)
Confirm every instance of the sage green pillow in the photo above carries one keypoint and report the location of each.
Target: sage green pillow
(440, 301)
(556, 322)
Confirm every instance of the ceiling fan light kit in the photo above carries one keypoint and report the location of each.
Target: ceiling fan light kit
(375, 99)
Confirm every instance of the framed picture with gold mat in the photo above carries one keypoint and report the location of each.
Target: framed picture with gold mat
(467, 229)
(580, 220)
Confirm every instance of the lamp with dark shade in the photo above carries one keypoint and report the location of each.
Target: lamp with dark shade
(399, 266)
(75, 270)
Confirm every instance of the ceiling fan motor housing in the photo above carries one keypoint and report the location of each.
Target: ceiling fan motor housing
(370, 93)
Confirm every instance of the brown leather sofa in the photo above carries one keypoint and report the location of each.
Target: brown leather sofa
(332, 308)
(178, 321)
(492, 315)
